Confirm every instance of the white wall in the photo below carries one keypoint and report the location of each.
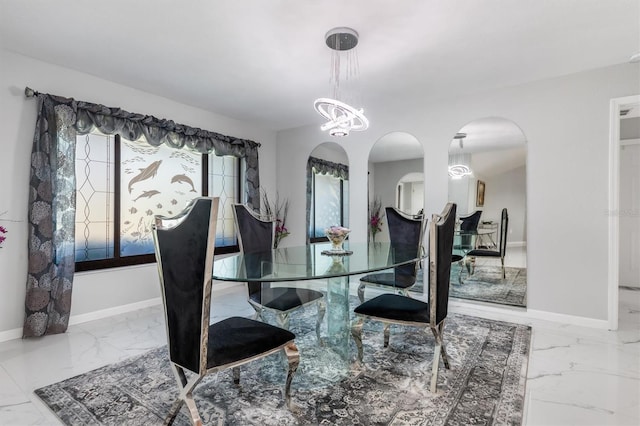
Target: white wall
(93, 291)
(566, 122)
(507, 190)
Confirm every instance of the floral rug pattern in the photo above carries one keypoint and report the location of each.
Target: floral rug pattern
(485, 384)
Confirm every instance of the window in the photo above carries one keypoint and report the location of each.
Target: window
(329, 205)
(121, 185)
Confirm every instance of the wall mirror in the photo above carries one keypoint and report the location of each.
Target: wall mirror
(327, 190)
(487, 173)
(396, 175)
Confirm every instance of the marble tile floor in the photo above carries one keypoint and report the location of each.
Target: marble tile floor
(576, 375)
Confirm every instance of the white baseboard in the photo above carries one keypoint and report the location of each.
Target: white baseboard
(523, 315)
(517, 244)
(15, 333)
(569, 319)
(116, 310)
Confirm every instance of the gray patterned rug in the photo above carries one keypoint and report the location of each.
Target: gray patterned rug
(485, 384)
(486, 285)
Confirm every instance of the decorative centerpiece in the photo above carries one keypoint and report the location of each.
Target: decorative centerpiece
(337, 235)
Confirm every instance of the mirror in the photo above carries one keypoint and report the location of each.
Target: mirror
(327, 190)
(396, 175)
(494, 150)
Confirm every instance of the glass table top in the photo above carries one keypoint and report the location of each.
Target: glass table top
(308, 262)
(463, 241)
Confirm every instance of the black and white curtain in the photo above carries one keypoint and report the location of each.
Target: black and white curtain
(52, 192)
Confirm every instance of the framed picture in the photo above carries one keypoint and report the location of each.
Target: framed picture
(480, 194)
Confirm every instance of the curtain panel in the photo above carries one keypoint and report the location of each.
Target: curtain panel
(52, 191)
(324, 167)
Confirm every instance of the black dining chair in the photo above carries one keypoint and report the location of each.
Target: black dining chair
(468, 226)
(502, 246)
(256, 235)
(396, 309)
(471, 221)
(404, 231)
(184, 247)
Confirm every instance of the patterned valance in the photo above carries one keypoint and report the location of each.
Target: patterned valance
(325, 167)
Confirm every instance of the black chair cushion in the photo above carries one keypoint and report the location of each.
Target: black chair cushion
(391, 279)
(237, 338)
(456, 258)
(285, 298)
(483, 252)
(395, 307)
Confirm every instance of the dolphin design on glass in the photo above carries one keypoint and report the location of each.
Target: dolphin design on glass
(147, 194)
(184, 178)
(150, 171)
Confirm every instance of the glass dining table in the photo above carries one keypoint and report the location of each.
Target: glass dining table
(308, 266)
(463, 242)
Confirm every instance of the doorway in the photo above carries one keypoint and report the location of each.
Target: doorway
(624, 201)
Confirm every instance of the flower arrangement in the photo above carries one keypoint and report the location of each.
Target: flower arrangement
(278, 212)
(3, 230)
(375, 218)
(336, 234)
(337, 231)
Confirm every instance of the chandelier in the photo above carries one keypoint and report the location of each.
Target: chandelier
(341, 117)
(459, 162)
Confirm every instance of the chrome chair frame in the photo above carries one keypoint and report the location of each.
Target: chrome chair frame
(436, 327)
(502, 246)
(282, 317)
(186, 385)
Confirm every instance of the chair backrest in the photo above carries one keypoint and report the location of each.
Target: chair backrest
(470, 222)
(254, 235)
(441, 233)
(407, 231)
(504, 228)
(184, 247)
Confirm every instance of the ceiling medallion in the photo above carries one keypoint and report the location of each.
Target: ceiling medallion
(341, 117)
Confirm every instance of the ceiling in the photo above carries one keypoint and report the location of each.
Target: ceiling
(266, 61)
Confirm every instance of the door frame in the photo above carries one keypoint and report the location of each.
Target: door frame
(613, 213)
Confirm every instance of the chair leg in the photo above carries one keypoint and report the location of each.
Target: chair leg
(356, 333)
(184, 397)
(236, 375)
(387, 332)
(259, 310)
(361, 291)
(438, 351)
(443, 350)
(504, 272)
(283, 320)
(293, 358)
(322, 308)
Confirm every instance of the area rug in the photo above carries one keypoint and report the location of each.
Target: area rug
(487, 285)
(485, 385)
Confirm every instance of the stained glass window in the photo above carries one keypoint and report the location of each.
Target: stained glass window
(94, 197)
(224, 183)
(114, 220)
